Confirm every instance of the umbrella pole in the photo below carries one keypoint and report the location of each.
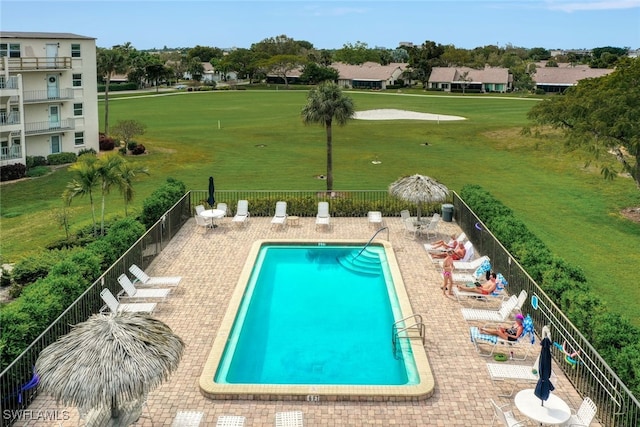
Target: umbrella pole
(419, 212)
(115, 412)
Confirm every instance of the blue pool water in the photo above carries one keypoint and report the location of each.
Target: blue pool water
(305, 318)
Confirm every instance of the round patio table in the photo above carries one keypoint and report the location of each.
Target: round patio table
(554, 411)
(213, 214)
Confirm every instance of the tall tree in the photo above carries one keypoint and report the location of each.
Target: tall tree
(326, 104)
(109, 62)
(281, 65)
(108, 169)
(243, 61)
(601, 115)
(125, 185)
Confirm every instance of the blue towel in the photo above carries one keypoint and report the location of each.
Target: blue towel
(476, 335)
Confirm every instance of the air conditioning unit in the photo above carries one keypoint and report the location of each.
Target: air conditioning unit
(53, 79)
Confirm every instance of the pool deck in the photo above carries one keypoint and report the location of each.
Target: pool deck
(210, 264)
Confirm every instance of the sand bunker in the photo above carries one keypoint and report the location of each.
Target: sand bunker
(391, 114)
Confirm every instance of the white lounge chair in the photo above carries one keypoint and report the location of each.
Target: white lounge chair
(143, 278)
(505, 372)
(526, 340)
(116, 307)
(323, 218)
(289, 419)
(585, 414)
(462, 237)
(141, 294)
(280, 217)
(470, 265)
(474, 298)
(242, 212)
(504, 415)
(500, 315)
(230, 421)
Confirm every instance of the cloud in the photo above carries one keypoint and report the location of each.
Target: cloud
(593, 5)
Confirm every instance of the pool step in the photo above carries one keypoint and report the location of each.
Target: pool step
(366, 263)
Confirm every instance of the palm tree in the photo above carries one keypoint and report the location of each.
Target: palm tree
(110, 61)
(325, 104)
(108, 170)
(128, 174)
(86, 179)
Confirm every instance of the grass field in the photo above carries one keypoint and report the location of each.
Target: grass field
(256, 140)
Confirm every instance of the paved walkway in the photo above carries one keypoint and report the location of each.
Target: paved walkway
(210, 264)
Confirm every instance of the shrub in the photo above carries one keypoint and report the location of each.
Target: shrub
(139, 149)
(61, 158)
(33, 161)
(161, 200)
(131, 145)
(13, 172)
(106, 143)
(35, 267)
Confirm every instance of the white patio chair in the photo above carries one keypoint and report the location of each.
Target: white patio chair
(202, 223)
(430, 229)
(504, 415)
(199, 209)
(585, 414)
(223, 207)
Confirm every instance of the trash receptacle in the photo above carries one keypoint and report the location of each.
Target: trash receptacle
(447, 212)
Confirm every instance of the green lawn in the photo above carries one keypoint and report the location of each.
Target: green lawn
(256, 140)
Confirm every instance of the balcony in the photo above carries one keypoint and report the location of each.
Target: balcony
(9, 118)
(36, 64)
(41, 128)
(36, 96)
(11, 153)
(10, 83)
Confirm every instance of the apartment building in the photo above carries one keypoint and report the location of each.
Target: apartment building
(48, 95)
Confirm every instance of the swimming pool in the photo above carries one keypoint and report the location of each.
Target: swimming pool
(302, 324)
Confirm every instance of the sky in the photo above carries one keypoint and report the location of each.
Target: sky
(330, 24)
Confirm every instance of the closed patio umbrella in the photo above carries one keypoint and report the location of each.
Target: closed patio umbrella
(211, 200)
(107, 365)
(419, 189)
(544, 385)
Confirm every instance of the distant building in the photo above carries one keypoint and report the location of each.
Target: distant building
(369, 75)
(459, 79)
(48, 95)
(558, 79)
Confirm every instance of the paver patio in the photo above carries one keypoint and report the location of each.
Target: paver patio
(210, 264)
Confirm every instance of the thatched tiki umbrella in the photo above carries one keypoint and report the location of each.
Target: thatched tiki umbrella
(109, 363)
(419, 189)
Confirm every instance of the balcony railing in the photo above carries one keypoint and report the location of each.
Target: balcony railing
(591, 377)
(32, 96)
(35, 128)
(10, 83)
(9, 118)
(37, 63)
(11, 153)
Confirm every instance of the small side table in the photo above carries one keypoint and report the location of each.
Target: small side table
(293, 220)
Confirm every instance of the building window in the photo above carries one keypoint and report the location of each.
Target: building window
(75, 50)
(77, 80)
(14, 50)
(78, 138)
(77, 109)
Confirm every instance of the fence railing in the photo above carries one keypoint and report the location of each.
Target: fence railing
(591, 376)
(587, 371)
(13, 391)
